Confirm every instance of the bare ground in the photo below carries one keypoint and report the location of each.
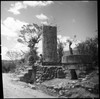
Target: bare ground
(12, 88)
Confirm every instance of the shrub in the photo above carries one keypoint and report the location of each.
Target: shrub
(90, 47)
(7, 66)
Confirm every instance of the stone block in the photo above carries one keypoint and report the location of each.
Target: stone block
(49, 44)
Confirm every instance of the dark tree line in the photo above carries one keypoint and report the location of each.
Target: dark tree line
(89, 47)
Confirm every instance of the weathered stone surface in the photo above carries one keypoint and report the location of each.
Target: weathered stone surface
(76, 59)
(76, 88)
(49, 44)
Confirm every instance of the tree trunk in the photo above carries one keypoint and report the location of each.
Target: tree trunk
(73, 74)
(33, 76)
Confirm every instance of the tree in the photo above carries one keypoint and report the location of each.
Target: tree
(70, 43)
(14, 57)
(89, 47)
(70, 49)
(60, 50)
(30, 35)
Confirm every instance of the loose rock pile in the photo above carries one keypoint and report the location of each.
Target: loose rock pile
(55, 81)
(86, 88)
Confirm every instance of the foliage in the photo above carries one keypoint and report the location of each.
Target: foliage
(7, 66)
(70, 43)
(14, 56)
(60, 50)
(32, 56)
(90, 47)
(60, 47)
(30, 35)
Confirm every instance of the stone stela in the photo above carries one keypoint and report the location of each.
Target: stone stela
(50, 51)
(49, 45)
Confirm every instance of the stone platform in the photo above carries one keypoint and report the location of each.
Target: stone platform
(76, 59)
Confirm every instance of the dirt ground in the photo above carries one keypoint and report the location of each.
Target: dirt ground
(12, 88)
(84, 88)
(55, 88)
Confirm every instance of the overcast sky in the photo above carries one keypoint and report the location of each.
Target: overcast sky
(71, 17)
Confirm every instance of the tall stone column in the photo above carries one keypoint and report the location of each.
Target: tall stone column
(49, 44)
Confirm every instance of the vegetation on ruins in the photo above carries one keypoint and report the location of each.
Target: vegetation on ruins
(30, 35)
(60, 50)
(7, 66)
(89, 47)
(86, 85)
(15, 57)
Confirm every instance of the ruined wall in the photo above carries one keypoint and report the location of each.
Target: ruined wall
(76, 59)
(49, 44)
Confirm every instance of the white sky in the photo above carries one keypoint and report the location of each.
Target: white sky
(71, 17)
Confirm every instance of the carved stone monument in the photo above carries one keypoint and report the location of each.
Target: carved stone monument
(49, 44)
